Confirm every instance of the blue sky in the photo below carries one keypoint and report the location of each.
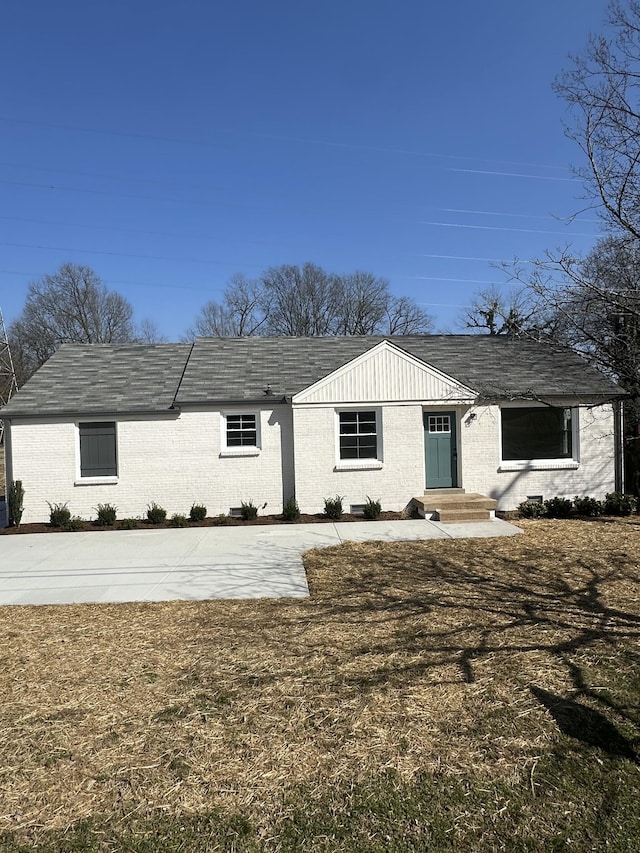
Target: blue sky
(170, 145)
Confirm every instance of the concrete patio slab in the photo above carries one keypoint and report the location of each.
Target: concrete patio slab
(192, 564)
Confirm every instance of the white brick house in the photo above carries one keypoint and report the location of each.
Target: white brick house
(228, 420)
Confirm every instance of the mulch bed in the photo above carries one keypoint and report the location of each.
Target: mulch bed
(216, 521)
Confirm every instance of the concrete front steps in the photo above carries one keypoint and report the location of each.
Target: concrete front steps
(455, 505)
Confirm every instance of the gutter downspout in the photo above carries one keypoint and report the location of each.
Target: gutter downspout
(618, 432)
(8, 466)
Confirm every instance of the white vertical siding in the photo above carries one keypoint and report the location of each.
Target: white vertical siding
(384, 374)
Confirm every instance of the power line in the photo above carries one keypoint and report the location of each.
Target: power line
(512, 215)
(110, 254)
(511, 174)
(278, 137)
(502, 228)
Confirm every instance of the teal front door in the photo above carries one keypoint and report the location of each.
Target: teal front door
(440, 450)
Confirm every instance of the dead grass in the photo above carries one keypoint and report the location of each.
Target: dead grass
(412, 658)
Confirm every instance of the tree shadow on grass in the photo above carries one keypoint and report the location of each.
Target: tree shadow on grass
(585, 724)
(394, 613)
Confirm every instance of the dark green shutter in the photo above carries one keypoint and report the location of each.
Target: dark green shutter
(98, 450)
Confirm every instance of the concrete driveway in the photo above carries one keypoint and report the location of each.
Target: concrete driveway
(194, 563)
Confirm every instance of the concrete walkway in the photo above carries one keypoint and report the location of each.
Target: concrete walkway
(194, 563)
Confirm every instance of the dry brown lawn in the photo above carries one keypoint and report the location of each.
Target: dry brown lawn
(410, 657)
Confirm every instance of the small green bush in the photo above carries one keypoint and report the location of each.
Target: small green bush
(531, 509)
(16, 503)
(156, 514)
(106, 515)
(248, 510)
(558, 507)
(615, 503)
(74, 523)
(372, 509)
(198, 512)
(220, 520)
(291, 510)
(588, 506)
(333, 507)
(129, 524)
(178, 520)
(59, 514)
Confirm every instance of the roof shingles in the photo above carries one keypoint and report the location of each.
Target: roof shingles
(93, 378)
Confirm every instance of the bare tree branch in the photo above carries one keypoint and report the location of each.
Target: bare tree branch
(72, 305)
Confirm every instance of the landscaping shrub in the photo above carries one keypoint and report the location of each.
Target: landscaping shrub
(248, 510)
(106, 515)
(198, 512)
(220, 520)
(615, 503)
(531, 509)
(558, 507)
(74, 523)
(291, 510)
(59, 514)
(372, 509)
(178, 520)
(333, 507)
(16, 503)
(588, 506)
(129, 524)
(156, 514)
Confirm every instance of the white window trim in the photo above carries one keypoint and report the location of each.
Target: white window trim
(247, 449)
(359, 464)
(95, 481)
(543, 464)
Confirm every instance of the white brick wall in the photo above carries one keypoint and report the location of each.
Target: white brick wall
(400, 478)
(480, 461)
(403, 474)
(173, 461)
(176, 461)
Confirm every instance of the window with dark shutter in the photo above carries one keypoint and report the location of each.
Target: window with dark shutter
(98, 449)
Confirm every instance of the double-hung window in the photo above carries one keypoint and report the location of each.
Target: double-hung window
(98, 454)
(358, 435)
(240, 434)
(242, 431)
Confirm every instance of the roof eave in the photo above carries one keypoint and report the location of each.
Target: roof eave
(83, 413)
(279, 399)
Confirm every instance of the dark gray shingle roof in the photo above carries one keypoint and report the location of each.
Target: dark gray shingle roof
(92, 378)
(241, 368)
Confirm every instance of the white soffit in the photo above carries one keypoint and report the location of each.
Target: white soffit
(385, 373)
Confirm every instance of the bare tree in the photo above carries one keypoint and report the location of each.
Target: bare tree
(301, 301)
(502, 313)
(601, 89)
(72, 305)
(403, 316)
(147, 332)
(362, 304)
(241, 312)
(308, 301)
(592, 306)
